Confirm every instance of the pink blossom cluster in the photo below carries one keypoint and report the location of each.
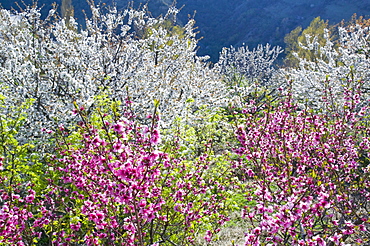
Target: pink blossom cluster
(305, 175)
(110, 183)
(13, 218)
(117, 188)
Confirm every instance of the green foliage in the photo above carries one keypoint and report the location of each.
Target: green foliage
(298, 38)
(20, 163)
(204, 129)
(169, 26)
(23, 171)
(210, 133)
(292, 46)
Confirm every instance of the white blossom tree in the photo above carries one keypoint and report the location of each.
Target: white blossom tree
(126, 55)
(247, 73)
(338, 66)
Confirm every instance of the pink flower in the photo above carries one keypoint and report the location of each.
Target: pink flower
(250, 172)
(29, 198)
(155, 137)
(119, 127)
(142, 203)
(335, 238)
(76, 226)
(208, 236)
(97, 141)
(257, 231)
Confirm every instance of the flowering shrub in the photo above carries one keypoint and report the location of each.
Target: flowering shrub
(118, 187)
(110, 184)
(307, 174)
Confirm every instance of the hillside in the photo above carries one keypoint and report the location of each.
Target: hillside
(223, 23)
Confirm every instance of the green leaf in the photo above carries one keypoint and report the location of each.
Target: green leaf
(156, 103)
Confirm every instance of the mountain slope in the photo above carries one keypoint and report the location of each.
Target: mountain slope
(223, 22)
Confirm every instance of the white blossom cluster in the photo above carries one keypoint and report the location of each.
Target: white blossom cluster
(123, 54)
(248, 71)
(343, 64)
(131, 55)
(339, 66)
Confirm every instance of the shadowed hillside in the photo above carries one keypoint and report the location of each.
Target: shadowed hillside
(223, 23)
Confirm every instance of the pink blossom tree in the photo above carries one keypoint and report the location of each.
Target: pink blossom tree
(307, 173)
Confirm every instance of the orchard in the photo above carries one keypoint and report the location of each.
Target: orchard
(118, 133)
